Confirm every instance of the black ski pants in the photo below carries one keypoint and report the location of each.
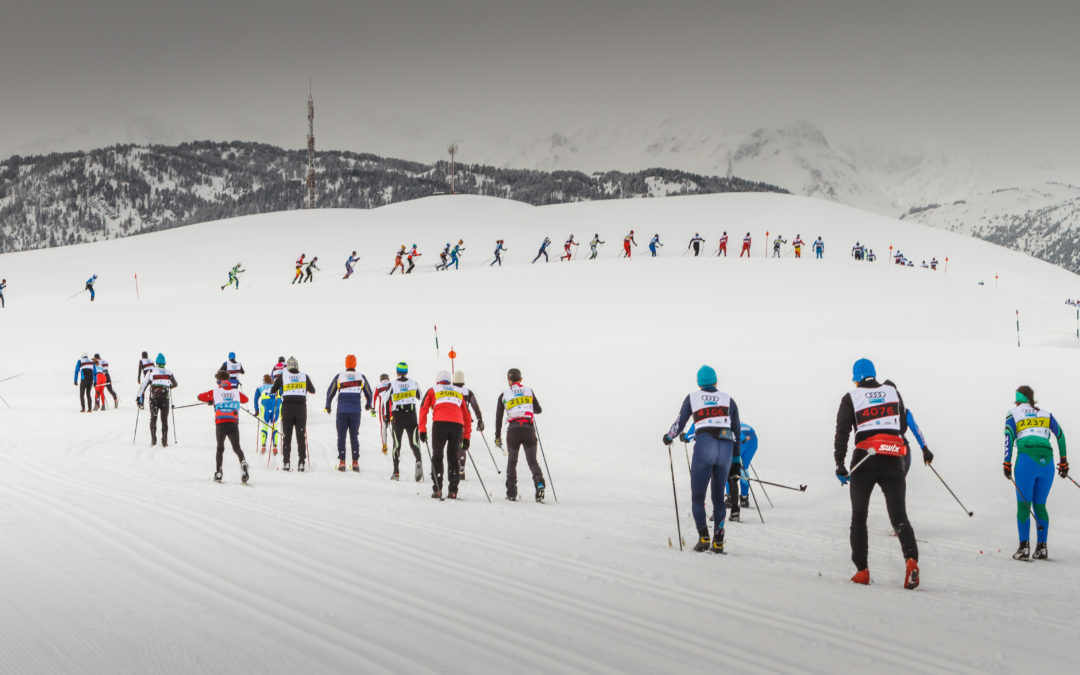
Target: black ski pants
(445, 437)
(405, 422)
(159, 404)
(86, 396)
(294, 418)
(520, 436)
(887, 472)
(231, 431)
(348, 423)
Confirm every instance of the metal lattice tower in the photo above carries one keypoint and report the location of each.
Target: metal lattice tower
(452, 149)
(310, 150)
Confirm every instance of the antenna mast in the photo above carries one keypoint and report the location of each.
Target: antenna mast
(310, 149)
(452, 149)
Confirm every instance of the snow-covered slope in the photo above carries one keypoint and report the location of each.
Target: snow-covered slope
(125, 558)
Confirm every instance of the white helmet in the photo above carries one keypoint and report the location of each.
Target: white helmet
(442, 376)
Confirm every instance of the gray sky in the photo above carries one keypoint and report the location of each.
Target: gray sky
(398, 76)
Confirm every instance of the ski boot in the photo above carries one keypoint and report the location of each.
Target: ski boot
(286, 467)
(703, 542)
(452, 494)
(861, 577)
(217, 476)
(244, 472)
(911, 574)
(153, 441)
(419, 471)
(744, 501)
(115, 403)
(356, 467)
(436, 494)
(539, 493)
(718, 542)
(300, 466)
(1022, 553)
(1040, 551)
(395, 475)
(262, 449)
(511, 496)
(275, 449)
(340, 465)
(734, 516)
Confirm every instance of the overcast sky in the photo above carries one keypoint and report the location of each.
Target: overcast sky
(980, 75)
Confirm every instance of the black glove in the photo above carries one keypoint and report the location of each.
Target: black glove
(735, 471)
(682, 437)
(423, 437)
(327, 410)
(465, 444)
(842, 474)
(498, 442)
(927, 456)
(138, 401)
(1006, 468)
(1063, 468)
(667, 439)
(480, 426)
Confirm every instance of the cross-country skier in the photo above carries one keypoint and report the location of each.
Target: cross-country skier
(566, 247)
(444, 257)
(3, 285)
(397, 261)
(723, 245)
(819, 248)
(933, 264)
(400, 409)
(103, 366)
(90, 286)
(310, 267)
(267, 409)
(499, 248)
(870, 257)
(299, 269)
(234, 277)
(99, 391)
(627, 240)
(234, 368)
(518, 402)
(455, 254)
(857, 251)
(1029, 428)
(382, 398)
(450, 430)
(413, 253)
(294, 387)
(470, 398)
(654, 244)
(745, 246)
(593, 244)
(798, 243)
(146, 364)
(354, 389)
(716, 452)
(876, 412)
(278, 368)
(160, 381)
(776, 245)
(543, 250)
(226, 400)
(349, 264)
(85, 377)
(696, 241)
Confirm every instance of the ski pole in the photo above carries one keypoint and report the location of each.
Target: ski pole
(192, 405)
(550, 481)
(686, 449)
(6, 403)
(478, 475)
(675, 494)
(762, 487)
(175, 436)
(1031, 507)
(490, 453)
(11, 378)
(1073, 481)
(431, 463)
(756, 505)
(970, 513)
(77, 294)
(136, 433)
(801, 488)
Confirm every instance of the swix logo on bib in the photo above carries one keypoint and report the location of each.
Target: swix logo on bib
(405, 393)
(518, 401)
(350, 382)
(447, 394)
(876, 409)
(711, 409)
(294, 384)
(1031, 422)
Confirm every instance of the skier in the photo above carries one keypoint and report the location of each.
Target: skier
(278, 368)
(226, 400)
(543, 250)
(397, 261)
(696, 241)
(294, 387)
(99, 391)
(723, 245)
(103, 366)
(798, 243)
(470, 398)
(819, 248)
(1029, 428)
(499, 248)
(382, 397)
(450, 430)
(267, 409)
(654, 243)
(234, 368)
(745, 246)
(716, 452)
(924, 265)
(400, 409)
(566, 247)
(593, 244)
(933, 264)
(90, 286)
(349, 265)
(145, 366)
(443, 256)
(311, 266)
(455, 255)
(627, 240)
(870, 257)
(3, 285)
(740, 485)
(876, 413)
(353, 386)
(299, 269)
(857, 251)
(234, 277)
(413, 253)
(776, 245)
(160, 381)
(520, 405)
(85, 376)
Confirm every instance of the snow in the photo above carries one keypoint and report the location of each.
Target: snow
(128, 558)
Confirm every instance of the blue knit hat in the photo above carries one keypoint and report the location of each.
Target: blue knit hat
(232, 356)
(402, 368)
(863, 369)
(706, 377)
(160, 360)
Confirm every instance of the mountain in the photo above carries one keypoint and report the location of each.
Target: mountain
(70, 198)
